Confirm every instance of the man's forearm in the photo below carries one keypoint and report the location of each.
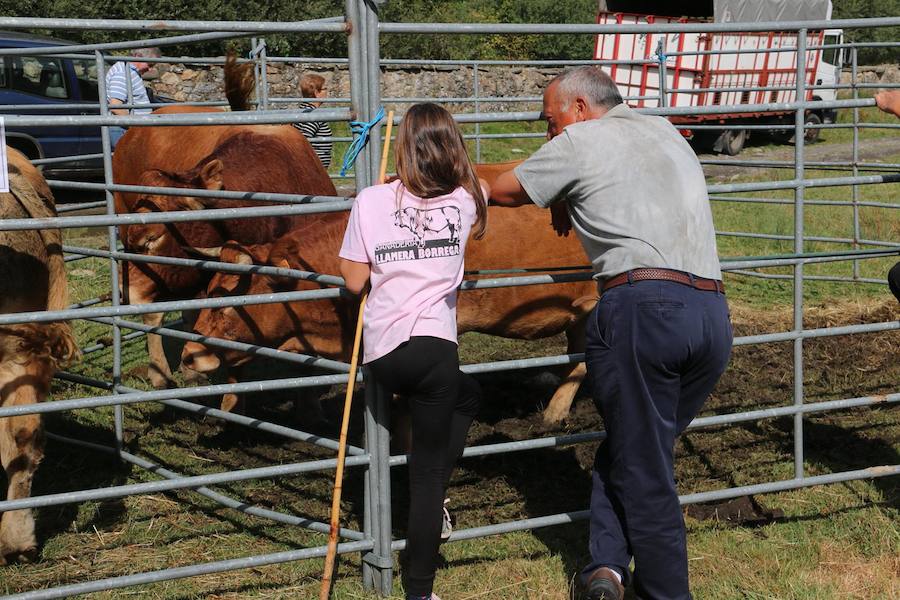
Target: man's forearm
(121, 112)
(889, 101)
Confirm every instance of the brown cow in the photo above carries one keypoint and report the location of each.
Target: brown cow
(33, 278)
(515, 239)
(257, 158)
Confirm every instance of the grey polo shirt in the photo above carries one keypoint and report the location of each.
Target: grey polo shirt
(635, 192)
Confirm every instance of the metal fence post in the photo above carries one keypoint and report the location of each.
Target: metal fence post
(476, 90)
(370, 501)
(378, 565)
(263, 76)
(661, 58)
(371, 572)
(372, 55)
(855, 188)
(254, 56)
(368, 11)
(358, 90)
(799, 147)
(112, 234)
(129, 88)
(384, 536)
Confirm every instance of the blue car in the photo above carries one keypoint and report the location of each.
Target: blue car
(43, 85)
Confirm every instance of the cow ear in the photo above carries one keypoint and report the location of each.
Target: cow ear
(211, 175)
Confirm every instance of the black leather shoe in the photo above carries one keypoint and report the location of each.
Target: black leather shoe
(603, 585)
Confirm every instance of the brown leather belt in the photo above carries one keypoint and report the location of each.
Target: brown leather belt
(700, 283)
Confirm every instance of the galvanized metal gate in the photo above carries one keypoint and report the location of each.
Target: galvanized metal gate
(362, 27)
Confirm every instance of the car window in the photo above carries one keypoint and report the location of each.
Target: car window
(86, 74)
(38, 75)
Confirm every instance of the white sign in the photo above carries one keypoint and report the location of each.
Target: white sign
(4, 169)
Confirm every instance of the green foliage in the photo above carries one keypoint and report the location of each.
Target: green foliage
(399, 46)
(862, 9)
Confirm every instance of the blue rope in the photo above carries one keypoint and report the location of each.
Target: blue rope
(361, 129)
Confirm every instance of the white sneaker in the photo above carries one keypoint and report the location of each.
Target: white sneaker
(446, 528)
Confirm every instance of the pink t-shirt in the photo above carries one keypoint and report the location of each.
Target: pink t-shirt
(415, 249)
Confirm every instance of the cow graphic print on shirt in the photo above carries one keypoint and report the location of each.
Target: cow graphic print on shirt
(429, 227)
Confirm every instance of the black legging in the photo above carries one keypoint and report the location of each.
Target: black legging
(443, 401)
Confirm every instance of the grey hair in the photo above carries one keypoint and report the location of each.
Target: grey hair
(152, 52)
(590, 82)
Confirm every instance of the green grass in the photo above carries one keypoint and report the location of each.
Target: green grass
(831, 542)
(819, 221)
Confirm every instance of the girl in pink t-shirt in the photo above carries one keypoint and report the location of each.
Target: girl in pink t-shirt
(407, 239)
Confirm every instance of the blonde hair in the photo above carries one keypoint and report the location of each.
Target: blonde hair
(432, 160)
(311, 84)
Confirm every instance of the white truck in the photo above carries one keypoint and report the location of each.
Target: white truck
(726, 79)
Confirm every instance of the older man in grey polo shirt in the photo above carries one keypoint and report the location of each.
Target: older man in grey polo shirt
(660, 337)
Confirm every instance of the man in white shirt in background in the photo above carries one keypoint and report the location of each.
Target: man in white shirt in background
(124, 85)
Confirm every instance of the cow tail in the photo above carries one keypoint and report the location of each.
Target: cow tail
(59, 338)
(53, 342)
(239, 83)
(63, 346)
(38, 206)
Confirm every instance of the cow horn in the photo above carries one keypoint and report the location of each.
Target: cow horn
(214, 252)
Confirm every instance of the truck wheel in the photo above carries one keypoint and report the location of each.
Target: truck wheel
(704, 141)
(732, 142)
(811, 136)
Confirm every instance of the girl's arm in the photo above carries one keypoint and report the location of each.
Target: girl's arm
(355, 274)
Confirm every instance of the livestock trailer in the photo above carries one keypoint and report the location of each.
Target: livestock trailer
(722, 69)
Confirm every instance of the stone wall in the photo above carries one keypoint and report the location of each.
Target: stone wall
(874, 74)
(189, 83)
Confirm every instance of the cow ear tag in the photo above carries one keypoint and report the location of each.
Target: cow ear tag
(284, 264)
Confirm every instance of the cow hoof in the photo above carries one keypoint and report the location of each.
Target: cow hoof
(24, 556)
(554, 417)
(160, 381)
(231, 403)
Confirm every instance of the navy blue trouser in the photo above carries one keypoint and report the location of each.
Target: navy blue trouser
(655, 350)
(894, 280)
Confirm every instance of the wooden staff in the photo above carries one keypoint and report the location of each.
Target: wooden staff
(325, 590)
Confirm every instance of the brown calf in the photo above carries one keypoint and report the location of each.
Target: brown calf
(264, 158)
(33, 279)
(515, 239)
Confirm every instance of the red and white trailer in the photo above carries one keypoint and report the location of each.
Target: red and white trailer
(716, 77)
